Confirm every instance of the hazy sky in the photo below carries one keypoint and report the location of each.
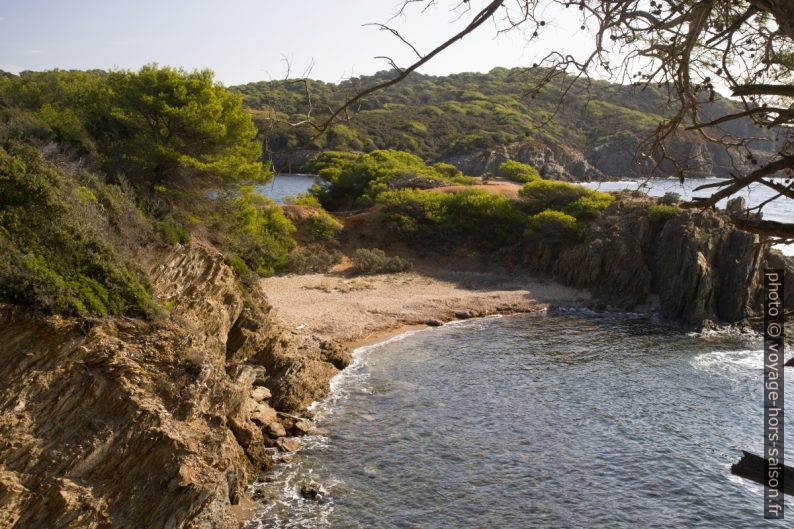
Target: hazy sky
(245, 40)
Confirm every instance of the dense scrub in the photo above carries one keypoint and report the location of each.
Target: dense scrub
(488, 221)
(438, 117)
(96, 165)
(56, 239)
(350, 180)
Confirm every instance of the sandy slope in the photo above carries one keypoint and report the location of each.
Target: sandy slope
(361, 308)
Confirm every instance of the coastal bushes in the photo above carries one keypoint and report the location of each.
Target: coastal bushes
(550, 223)
(253, 228)
(517, 171)
(374, 261)
(56, 249)
(661, 213)
(313, 259)
(350, 180)
(471, 216)
(575, 200)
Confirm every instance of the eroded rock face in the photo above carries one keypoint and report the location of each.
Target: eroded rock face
(693, 268)
(127, 424)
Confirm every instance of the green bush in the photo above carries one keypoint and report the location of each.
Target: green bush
(172, 233)
(670, 198)
(517, 171)
(254, 228)
(324, 226)
(554, 224)
(53, 252)
(312, 259)
(588, 206)
(471, 216)
(375, 261)
(354, 181)
(238, 265)
(661, 213)
(550, 194)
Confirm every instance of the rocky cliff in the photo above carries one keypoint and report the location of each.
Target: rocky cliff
(694, 267)
(124, 423)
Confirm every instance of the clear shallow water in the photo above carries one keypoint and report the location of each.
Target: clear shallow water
(286, 184)
(567, 420)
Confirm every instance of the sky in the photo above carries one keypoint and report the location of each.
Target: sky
(248, 40)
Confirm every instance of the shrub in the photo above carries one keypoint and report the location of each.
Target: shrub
(670, 198)
(324, 226)
(52, 256)
(447, 169)
(661, 213)
(312, 259)
(238, 265)
(254, 228)
(588, 206)
(172, 233)
(556, 224)
(539, 195)
(355, 181)
(517, 171)
(471, 216)
(375, 261)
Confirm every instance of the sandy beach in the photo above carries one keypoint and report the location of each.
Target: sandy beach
(356, 310)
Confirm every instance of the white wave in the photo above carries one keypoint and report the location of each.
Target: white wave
(730, 363)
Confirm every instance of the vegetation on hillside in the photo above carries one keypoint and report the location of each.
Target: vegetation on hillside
(490, 221)
(95, 164)
(439, 117)
(350, 180)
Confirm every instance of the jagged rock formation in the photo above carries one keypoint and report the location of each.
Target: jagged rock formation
(694, 267)
(124, 423)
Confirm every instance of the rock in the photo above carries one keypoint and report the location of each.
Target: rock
(303, 426)
(464, 314)
(136, 423)
(434, 323)
(260, 393)
(288, 444)
(276, 429)
(313, 491)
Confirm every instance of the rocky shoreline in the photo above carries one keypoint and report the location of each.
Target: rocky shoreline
(118, 422)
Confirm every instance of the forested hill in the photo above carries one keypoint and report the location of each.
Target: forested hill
(476, 119)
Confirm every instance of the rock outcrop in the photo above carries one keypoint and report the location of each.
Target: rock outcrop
(124, 423)
(693, 267)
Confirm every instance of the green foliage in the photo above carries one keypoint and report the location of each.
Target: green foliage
(313, 259)
(350, 180)
(254, 228)
(172, 233)
(439, 117)
(575, 200)
(471, 216)
(588, 206)
(51, 256)
(303, 199)
(239, 265)
(517, 171)
(158, 126)
(555, 225)
(661, 213)
(448, 170)
(670, 198)
(324, 226)
(374, 261)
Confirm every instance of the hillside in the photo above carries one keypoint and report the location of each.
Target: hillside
(477, 120)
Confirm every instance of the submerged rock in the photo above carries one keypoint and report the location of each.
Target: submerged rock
(313, 491)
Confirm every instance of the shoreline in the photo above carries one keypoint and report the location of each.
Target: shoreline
(362, 310)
